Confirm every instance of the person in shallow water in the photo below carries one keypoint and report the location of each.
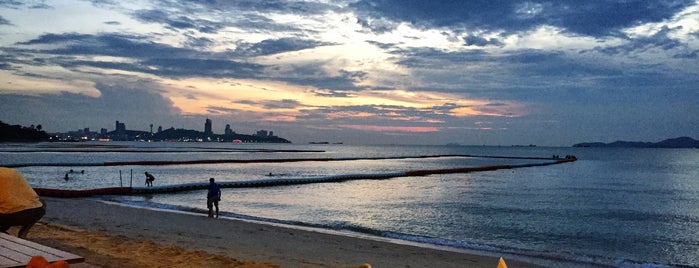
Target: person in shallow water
(19, 204)
(149, 179)
(212, 197)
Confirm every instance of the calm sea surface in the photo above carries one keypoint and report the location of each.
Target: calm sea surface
(614, 207)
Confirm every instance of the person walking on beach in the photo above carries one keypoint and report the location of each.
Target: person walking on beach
(149, 179)
(212, 197)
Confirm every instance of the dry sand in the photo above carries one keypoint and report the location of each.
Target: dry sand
(109, 235)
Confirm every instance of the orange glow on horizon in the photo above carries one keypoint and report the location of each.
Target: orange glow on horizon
(407, 129)
(278, 101)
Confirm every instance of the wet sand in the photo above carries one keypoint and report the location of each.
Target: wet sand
(110, 235)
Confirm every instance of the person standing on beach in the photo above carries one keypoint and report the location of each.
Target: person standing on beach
(212, 197)
(149, 179)
(19, 203)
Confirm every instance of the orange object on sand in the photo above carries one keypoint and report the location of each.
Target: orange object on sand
(40, 262)
(501, 263)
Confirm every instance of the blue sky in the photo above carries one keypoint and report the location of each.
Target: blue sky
(362, 72)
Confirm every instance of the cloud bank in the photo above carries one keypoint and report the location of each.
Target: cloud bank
(369, 71)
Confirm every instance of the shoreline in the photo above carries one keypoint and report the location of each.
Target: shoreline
(245, 241)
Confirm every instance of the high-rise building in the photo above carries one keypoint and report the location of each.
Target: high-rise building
(207, 128)
(228, 130)
(120, 127)
(120, 132)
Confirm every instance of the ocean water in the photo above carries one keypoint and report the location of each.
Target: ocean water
(618, 207)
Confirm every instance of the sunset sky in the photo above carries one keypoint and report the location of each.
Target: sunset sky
(360, 72)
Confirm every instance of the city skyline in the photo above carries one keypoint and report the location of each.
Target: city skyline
(550, 73)
(122, 133)
(207, 129)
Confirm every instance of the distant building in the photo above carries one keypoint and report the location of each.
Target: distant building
(261, 133)
(120, 132)
(207, 128)
(160, 129)
(228, 130)
(120, 127)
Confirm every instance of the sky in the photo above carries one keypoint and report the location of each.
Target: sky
(480, 72)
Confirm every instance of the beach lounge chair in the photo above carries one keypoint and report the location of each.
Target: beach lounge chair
(17, 252)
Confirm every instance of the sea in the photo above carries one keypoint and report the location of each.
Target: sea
(613, 207)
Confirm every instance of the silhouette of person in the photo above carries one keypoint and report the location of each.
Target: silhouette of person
(212, 197)
(149, 179)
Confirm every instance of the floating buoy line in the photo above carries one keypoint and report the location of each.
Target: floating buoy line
(172, 188)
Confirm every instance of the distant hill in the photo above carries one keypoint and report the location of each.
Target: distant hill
(17, 133)
(681, 142)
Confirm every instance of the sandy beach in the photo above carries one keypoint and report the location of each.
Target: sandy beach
(110, 235)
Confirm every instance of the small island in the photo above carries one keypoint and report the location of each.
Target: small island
(680, 142)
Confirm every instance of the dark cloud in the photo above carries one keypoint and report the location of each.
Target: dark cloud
(377, 25)
(249, 15)
(170, 61)
(659, 40)
(247, 102)
(118, 45)
(274, 46)
(271, 6)
(432, 57)
(314, 74)
(519, 63)
(193, 67)
(178, 21)
(385, 46)
(41, 6)
(334, 93)
(320, 80)
(4, 21)
(595, 18)
(687, 55)
(153, 58)
(282, 104)
(199, 42)
(553, 65)
(473, 40)
(13, 4)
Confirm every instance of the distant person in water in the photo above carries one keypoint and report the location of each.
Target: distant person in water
(149, 179)
(19, 203)
(212, 197)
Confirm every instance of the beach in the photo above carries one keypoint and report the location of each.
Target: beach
(110, 235)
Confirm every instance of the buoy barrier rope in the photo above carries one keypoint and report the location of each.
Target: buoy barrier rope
(279, 182)
(265, 160)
